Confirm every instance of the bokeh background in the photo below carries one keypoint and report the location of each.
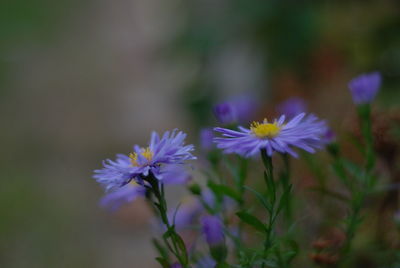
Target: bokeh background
(83, 80)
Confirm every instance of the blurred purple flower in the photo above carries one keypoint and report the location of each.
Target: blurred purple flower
(213, 230)
(176, 265)
(172, 174)
(304, 132)
(292, 107)
(364, 87)
(208, 197)
(125, 194)
(240, 109)
(206, 139)
(329, 136)
(186, 214)
(225, 113)
(161, 152)
(205, 262)
(210, 200)
(246, 108)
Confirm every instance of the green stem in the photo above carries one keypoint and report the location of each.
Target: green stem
(364, 112)
(269, 179)
(285, 180)
(172, 239)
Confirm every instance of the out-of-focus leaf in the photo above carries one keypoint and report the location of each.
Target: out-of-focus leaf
(251, 220)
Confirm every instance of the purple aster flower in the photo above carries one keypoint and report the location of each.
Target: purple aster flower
(172, 174)
(161, 152)
(225, 113)
(364, 88)
(302, 131)
(292, 107)
(239, 109)
(206, 139)
(213, 230)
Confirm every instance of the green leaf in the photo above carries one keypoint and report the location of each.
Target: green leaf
(284, 199)
(161, 250)
(270, 187)
(292, 253)
(354, 170)
(261, 198)
(164, 263)
(223, 190)
(251, 220)
(182, 247)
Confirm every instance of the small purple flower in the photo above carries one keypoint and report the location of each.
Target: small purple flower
(329, 136)
(240, 109)
(176, 265)
(213, 230)
(206, 139)
(225, 113)
(364, 88)
(205, 262)
(304, 132)
(209, 199)
(292, 107)
(246, 107)
(155, 159)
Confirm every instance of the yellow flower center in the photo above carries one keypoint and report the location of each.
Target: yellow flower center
(145, 152)
(265, 129)
(133, 183)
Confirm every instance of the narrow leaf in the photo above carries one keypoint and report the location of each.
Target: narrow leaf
(251, 220)
(223, 190)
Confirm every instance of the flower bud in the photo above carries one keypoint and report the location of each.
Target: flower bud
(364, 88)
(213, 230)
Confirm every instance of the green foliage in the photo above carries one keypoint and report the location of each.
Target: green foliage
(251, 220)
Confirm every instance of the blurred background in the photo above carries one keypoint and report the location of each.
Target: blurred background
(83, 80)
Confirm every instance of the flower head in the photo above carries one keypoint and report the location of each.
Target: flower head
(225, 113)
(213, 230)
(304, 132)
(157, 158)
(364, 88)
(239, 109)
(292, 107)
(172, 174)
